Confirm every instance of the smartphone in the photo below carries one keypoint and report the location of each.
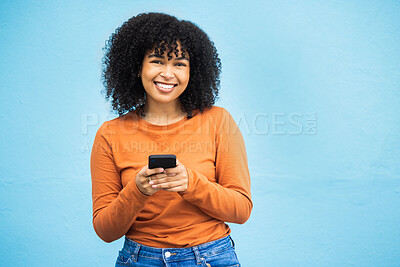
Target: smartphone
(162, 161)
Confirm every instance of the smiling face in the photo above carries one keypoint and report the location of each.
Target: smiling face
(163, 79)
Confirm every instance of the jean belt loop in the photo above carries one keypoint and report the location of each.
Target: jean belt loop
(135, 253)
(233, 242)
(197, 255)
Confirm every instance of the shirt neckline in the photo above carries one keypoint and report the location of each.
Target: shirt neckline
(162, 126)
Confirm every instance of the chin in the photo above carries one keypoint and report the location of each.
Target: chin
(164, 100)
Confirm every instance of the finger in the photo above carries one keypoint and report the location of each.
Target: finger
(180, 188)
(172, 170)
(158, 176)
(165, 179)
(180, 170)
(168, 185)
(150, 172)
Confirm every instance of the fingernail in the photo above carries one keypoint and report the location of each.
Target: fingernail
(154, 186)
(151, 182)
(160, 169)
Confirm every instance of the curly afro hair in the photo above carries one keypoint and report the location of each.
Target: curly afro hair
(126, 48)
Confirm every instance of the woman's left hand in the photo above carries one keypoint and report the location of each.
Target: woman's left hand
(172, 179)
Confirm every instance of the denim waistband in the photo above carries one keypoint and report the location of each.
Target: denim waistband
(177, 254)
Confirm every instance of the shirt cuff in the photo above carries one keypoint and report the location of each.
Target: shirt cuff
(142, 198)
(191, 186)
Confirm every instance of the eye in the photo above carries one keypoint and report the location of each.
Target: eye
(180, 64)
(156, 62)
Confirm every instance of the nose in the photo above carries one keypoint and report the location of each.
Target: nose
(168, 72)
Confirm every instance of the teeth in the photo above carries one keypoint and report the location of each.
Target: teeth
(166, 86)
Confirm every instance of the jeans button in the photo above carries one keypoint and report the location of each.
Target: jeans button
(167, 254)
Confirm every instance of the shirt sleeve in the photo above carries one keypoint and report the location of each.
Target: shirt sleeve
(229, 199)
(114, 208)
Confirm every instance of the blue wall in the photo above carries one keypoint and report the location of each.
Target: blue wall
(314, 86)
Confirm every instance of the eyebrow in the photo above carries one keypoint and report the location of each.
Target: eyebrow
(159, 56)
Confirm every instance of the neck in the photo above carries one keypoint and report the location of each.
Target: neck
(163, 113)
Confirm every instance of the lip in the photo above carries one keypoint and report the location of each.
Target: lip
(165, 83)
(164, 89)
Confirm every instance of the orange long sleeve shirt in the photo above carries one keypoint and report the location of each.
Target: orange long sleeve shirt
(211, 148)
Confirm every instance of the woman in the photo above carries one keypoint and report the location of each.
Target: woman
(162, 76)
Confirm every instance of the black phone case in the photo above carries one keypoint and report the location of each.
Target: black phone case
(162, 161)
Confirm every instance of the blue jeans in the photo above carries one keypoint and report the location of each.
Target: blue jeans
(220, 252)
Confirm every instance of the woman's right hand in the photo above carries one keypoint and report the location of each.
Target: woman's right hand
(144, 177)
